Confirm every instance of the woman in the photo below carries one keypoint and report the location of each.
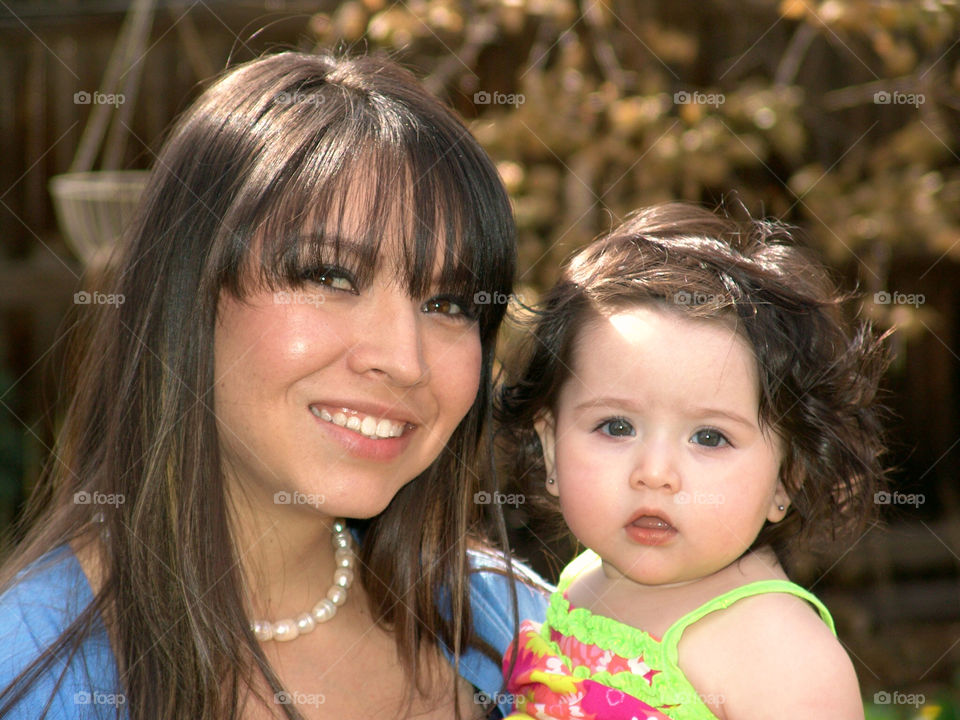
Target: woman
(297, 343)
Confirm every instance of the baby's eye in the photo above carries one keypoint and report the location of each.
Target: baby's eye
(616, 427)
(709, 437)
(453, 307)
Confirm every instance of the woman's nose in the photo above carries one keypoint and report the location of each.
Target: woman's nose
(655, 467)
(390, 343)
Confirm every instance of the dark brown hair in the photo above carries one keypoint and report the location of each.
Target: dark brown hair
(250, 190)
(819, 373)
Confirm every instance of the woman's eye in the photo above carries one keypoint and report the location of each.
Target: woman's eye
(333, 278)
(447, 306)
(709, 438)
(617, 427)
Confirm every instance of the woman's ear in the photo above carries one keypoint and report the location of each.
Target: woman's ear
(546, 431)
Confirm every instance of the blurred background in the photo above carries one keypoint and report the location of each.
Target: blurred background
(840, 116)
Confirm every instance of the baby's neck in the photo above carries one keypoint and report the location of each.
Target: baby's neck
(654, 608)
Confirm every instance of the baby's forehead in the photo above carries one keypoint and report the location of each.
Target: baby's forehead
(641, 325)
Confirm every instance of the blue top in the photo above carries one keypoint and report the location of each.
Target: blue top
(36, 610)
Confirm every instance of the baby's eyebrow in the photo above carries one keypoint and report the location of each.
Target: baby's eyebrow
(610, 401)
(714, 411)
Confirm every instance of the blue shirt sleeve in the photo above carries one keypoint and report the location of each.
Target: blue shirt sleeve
(34, 612)
(493, 619)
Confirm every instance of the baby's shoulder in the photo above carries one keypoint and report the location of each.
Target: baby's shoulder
(771, 651)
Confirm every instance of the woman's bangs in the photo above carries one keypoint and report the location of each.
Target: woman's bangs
(347, 217)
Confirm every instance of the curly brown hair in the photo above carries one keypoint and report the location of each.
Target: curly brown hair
(819, 371)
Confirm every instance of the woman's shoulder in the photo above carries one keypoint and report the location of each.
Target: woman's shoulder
(41, 602)
(43, 598)
(490, 590)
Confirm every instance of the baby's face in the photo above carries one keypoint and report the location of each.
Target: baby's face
(661, 465)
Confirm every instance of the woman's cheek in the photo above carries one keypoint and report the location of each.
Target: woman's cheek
(470, 378)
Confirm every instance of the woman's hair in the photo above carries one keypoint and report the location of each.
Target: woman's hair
(818, 373)
(257, 185)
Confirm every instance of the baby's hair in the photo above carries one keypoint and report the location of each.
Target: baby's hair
(819, 372)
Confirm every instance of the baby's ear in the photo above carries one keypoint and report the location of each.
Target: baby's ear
(546, 431)
(780, 504)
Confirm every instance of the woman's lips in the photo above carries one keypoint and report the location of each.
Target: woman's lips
(378, 441)
(648, 527)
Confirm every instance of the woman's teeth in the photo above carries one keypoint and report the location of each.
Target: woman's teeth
(364, 424)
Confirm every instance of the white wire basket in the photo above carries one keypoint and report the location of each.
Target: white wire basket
(93, 208)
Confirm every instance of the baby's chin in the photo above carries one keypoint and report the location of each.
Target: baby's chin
(647, 577)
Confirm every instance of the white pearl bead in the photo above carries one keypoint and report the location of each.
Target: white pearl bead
(284, 630)
(337, 595)
(305, 623)
(262, 629)
(324, 610)
(343, 578)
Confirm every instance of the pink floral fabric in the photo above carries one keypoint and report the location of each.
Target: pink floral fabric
(546, 687)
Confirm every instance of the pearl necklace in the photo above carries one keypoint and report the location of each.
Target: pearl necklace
(291, 628)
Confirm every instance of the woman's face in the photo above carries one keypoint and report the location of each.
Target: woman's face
(332, 397)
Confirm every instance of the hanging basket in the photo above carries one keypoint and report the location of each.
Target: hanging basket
(93, 208)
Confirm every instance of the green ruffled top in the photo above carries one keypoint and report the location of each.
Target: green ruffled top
(665, 687)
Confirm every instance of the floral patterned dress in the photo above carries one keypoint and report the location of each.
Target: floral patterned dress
(581, 665)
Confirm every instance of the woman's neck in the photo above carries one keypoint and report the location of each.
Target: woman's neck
(286, 554)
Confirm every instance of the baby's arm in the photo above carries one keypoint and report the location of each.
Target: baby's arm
(770, 656)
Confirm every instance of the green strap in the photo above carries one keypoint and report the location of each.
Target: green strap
(671, 638)
(584, 561)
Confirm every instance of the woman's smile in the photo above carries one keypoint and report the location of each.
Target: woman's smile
(364, 436)
(376, 428)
